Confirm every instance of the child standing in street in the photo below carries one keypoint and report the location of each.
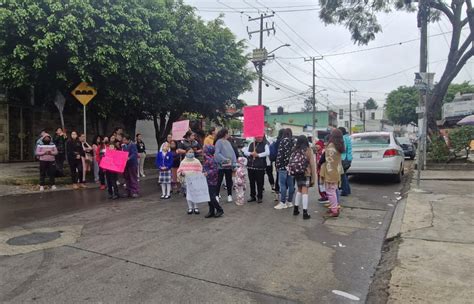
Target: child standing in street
(331, 170)
(164, 162)
(212, 175)
(142, 155)
(319, 161)
(131, 169)
(189, 165)
(111, 177)
(46, 153)
(240, 180)
(175, 186)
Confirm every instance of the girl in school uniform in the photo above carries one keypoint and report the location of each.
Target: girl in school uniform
(164, 162)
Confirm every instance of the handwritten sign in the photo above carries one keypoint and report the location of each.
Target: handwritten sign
(196, 188)
(114, 161)
(254, 121)
(179, 129)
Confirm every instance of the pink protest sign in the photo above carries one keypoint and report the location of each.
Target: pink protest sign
(114, 161)
(254, 121)
(179, 129)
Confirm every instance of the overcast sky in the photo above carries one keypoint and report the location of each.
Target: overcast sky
(308, 36)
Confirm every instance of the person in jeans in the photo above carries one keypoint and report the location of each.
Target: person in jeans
(287, 182)
(257, 153)
(131, 169)
(346, 158)
(226, 160)
(59, 140)
(75, 152)
(141, 154)
(210, 170)
(46, 153)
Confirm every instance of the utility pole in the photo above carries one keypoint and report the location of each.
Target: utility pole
(422, 20)
(259, 62)
(313, 59)
(350, 109)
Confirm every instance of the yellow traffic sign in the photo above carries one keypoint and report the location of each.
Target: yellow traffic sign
(84, 93)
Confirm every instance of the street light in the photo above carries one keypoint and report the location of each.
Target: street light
(260, 71)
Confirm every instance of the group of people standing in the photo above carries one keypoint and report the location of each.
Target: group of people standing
(83, 158)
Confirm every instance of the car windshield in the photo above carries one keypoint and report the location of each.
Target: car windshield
(378, 139)
(403, 140)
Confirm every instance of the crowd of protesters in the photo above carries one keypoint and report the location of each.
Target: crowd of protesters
(299, 164)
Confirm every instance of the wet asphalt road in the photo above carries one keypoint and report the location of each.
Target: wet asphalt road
(147, 250)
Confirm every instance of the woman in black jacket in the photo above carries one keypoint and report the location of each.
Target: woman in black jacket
(75, 152)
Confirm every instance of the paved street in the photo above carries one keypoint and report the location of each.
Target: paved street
(147, 250)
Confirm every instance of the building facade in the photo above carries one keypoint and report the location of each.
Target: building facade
(363, 120)
(299, 122)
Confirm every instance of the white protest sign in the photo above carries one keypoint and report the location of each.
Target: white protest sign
(196, 188)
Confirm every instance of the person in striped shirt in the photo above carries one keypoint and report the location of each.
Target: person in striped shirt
(189, 165)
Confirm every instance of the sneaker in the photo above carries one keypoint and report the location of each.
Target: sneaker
(323, 200)
(281, 206)
(168, 197)
(53, 187)
(143, 175)
(289, 204)
(41, 188)
(229, 199)
(82, 185)
(135, 195)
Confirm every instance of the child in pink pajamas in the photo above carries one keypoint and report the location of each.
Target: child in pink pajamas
(240, 180)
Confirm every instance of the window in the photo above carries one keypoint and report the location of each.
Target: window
(341, 113)
(372, 115)
(346, 124)
(377, 139)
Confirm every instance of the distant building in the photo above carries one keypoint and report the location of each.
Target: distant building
(299, 122)
(452, 112)
(362, 119)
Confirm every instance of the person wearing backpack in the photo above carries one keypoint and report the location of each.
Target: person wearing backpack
(287, 182)
(302, 167)
(257, 153)
(346, 162)
(331, 170)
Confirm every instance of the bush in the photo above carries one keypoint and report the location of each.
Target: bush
(461, 138)
(438, 150)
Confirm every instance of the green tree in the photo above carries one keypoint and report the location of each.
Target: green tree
(401, 105)
(453, 89)
(371, 104)
(360, 17)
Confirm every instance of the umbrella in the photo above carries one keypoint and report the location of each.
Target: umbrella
(466, 121)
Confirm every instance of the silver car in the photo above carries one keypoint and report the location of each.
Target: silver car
(377, 153)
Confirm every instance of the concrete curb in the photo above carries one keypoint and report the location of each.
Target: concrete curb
(397, 220)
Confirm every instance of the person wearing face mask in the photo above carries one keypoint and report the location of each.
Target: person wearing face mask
(46, 153)
(74, 154)
(189, 165)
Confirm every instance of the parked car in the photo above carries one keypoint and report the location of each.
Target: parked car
(377, 153)
(408, 147)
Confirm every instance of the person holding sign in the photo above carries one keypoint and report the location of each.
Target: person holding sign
(189, 166)
(46, 153)
(257, 153)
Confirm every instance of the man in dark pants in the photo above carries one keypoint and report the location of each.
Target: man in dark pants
(257, 153)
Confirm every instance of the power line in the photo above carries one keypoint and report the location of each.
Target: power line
(293, 76)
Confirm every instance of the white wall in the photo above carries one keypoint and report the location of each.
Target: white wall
(146, 128)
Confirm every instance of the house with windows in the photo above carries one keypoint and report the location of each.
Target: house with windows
(363, 120)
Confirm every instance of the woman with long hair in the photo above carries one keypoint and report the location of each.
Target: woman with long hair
(302, 167)
(226, 161)
(75, 152)
(331, 170)
(287, 182)
(97, 142)
(88, 156)
(211, 137)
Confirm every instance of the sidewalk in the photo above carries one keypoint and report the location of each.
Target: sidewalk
(437, 248)
(23, 178)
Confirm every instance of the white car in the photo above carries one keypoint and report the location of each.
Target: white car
(377, 153)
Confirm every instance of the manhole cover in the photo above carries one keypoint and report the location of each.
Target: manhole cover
(34, 238)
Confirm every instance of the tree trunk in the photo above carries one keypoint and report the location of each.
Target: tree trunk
(130, 124)
(163, 123)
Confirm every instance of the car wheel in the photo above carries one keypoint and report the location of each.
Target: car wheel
(398, 177)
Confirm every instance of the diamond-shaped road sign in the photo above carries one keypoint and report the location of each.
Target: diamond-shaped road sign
(84, 93)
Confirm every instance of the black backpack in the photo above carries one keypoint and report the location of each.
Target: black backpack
(298, 163)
